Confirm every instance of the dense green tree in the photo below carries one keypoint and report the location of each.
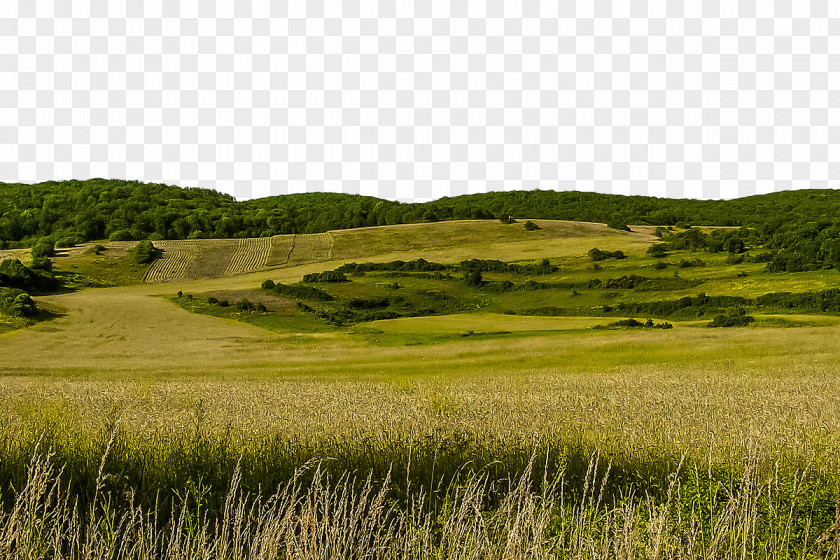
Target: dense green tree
(473, 278)
(41, 253)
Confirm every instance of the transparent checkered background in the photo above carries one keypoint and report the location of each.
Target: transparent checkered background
(417, 100)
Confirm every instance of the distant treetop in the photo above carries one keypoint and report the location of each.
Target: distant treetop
(75, 211)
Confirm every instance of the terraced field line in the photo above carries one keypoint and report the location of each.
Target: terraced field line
(212, 258)
(280, 249)
(312, 247)
(249, 254)
(175, 262)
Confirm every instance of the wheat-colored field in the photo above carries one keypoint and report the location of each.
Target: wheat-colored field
(189, 395)
(207, 258)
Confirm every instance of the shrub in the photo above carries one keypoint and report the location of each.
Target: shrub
(598, 255)
(763, 257)
(304, 292)
(473, 278)
(41, 253)
(734, 245)
(212, 301)
(734, 317)
(417, 265)
(691, 263)
(625, 282)
(660, 265)
(69, 241)
(14, 274)
(372, 303)
(331, 276)
(633, 323)
(627, 323)
(244, 305)
(144, 252)
(531, 226)
(121, 235)
(657, 250)
(731, 321)
(16, 303)
(267, 285)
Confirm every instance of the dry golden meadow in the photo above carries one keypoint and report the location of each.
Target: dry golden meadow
(183, 435)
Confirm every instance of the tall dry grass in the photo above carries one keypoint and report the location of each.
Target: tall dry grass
(761, 516)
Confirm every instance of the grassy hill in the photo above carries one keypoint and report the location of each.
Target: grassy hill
(483, 380)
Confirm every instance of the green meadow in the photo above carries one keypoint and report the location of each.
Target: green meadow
(459, 389)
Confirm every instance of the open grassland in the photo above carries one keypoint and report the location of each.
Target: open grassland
(763, 473)
(190, 430)
(447, 241)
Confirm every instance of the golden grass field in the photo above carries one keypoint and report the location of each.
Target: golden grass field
(125, 345)
(124, 376)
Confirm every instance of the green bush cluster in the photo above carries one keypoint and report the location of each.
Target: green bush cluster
(329, 276)
(145, 252)
(14, 274)
(691, 263)
(297, 291)
(657, 250)
(683, 307)
(598, 255)
(736, 317)
(490, 265)
(634, 323)
(41, 253)
(417, 265)
(16, 303)
(825, 301)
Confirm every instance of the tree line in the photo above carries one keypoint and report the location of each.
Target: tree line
(800, 228)
(117, 209)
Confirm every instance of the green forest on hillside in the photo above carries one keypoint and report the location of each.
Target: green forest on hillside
(116, 209)
(801, 228)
